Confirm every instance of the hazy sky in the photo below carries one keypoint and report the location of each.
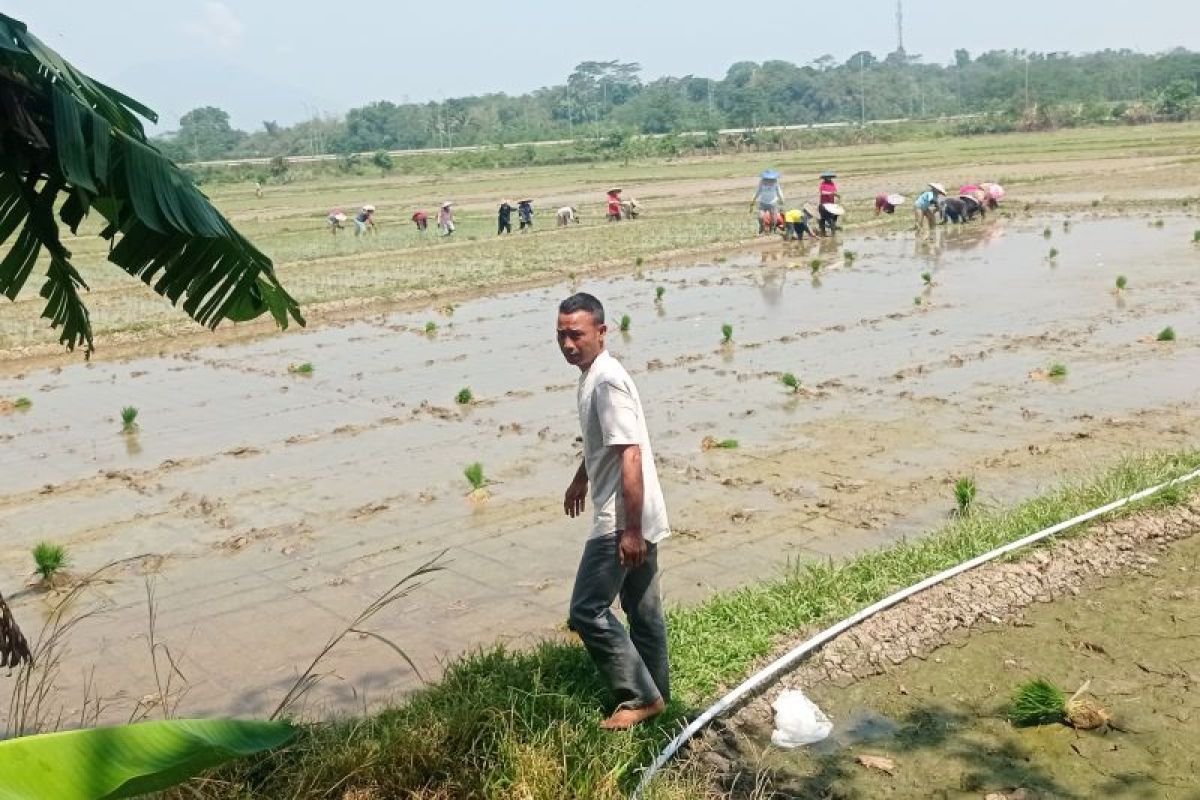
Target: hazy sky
(270, 59)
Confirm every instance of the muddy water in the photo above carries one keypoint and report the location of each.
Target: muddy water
(276, 505)
(942, 720)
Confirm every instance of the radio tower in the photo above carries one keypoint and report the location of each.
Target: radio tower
(900, 26)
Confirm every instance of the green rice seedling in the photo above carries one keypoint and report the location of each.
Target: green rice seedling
(726, 333)
(1066, 224)
(1196, 237)
(711, 443)
(918, 300)
(848, 257)
(474, 476)
(301, 369)
(815, 265)
(22, 403)
(431, 328)
(1057, 370)
(791, 381)
(464, 396)
(1037, 702)
(659, 291)
(1167, 334)
(1046, 232)
(637, 262)
(1122, 282)
(625, 323)
(49, 559)
(1158, 223)
(927, 278)
(964, 494)
(129, 419)
(1095, 204)
(1053, 253)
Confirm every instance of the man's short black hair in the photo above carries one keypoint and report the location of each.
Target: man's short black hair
(582, 301)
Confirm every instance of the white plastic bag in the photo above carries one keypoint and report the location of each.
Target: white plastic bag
(798, 721)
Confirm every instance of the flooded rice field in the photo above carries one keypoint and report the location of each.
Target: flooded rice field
(268, 507)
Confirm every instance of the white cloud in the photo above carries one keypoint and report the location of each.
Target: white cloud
(217, 26)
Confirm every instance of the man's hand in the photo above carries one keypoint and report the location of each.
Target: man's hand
(631, 548)
(573, 501)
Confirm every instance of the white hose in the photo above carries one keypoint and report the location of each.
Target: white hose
(789, 658)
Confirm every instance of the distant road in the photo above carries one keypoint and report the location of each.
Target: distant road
(263, 160)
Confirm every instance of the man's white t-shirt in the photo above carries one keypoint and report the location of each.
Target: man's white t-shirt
(610, 413)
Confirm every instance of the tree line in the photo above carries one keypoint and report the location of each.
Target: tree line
(604, 99)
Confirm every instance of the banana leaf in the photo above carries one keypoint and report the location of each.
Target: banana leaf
(69, 143)
(127, 760)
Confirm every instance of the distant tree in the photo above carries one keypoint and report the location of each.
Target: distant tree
(205, 133)
(383, 160)
(1176, 98)
(271, 128)
(962, 58)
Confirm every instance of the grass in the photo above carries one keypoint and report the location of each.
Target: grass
(815, 265)
(464, 396)
(964, 495)
(659, 291)
(22, 403)
(474, 475)
(849, 257)
(49, 560)
(510, 724)
(1122, 282)
(927, 278)
(1167, 334)
(129, 416)
(726, 333)
(301, 369)
(791, 381)
(1057, 370)
(431, 328)
(1037, 702)
(625, 323)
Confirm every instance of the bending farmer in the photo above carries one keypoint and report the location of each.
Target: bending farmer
(629, 519)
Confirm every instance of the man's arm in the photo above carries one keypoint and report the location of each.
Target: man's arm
(573, 501)
(631, 550)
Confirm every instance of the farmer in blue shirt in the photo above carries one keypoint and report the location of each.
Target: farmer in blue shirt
(926, 203)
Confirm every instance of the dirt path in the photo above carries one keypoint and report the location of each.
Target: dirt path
(925, 683)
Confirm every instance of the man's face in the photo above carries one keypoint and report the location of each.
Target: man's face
(579, 338)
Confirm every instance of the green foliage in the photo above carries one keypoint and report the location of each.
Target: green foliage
(474, 475)
(791, 381)
(964, 494)
(726, 333)
(49, 559)
(129, 416)
(1122, 282)
(431, 328)
(305, 368)
(849, 257)
(1057, 370)
(22, 403)
(128, 760)
(464, 397)
(927, 278)
(625, 323)
(1037, 702)
(1167, 334)
(815, 265)
(383, 160)
(80, 147)
(659, 291)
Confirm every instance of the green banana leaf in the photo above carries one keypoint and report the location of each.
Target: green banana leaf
(127, 760)
(69, 143)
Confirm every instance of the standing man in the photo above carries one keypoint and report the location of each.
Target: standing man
(504, 218)
(525, 214)
(629, 519)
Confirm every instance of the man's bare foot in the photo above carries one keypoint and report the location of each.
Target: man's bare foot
(625, 718)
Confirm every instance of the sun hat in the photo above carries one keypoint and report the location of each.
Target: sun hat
(994, 190)
(828, 174)
(447, 204)
(937, 187)
(615, 190)
(833, 208)
(769, 175)
(339, 216)
(526, 200)
(895, 199)
(368, 207)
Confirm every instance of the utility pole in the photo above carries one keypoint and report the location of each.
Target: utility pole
(1026, 83)
(862, 75)
(900, 26)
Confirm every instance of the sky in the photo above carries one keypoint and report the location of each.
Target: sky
(286, 61)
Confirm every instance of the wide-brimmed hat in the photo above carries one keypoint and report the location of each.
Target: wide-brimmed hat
(828, 174)
(895, 199)
(447, 204)
(368, 207)
(994, 190)
(769, 175)
(614, 190)
(833, 208)
(339, 216)
(937, 187)
(526, 200)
